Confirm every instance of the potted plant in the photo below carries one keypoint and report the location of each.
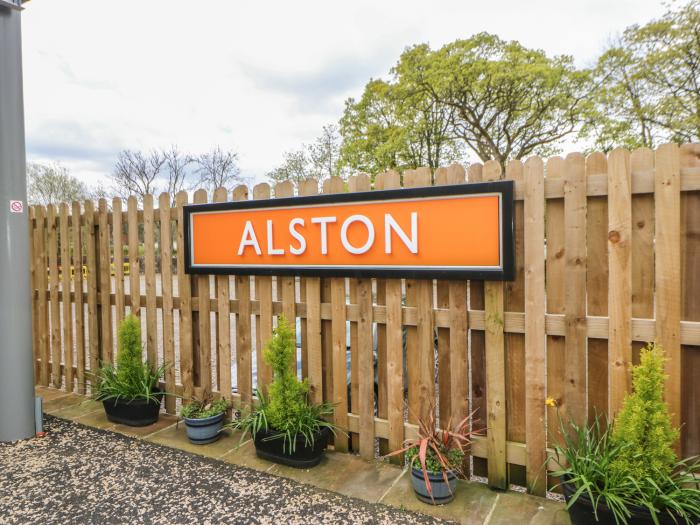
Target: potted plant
(286, 428)
(627, 471)
(436, 457)
(204, 420)
(129, 392)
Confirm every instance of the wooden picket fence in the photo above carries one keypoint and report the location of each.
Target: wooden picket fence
(608, 258)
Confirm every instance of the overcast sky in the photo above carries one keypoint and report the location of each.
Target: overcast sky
(257, 77)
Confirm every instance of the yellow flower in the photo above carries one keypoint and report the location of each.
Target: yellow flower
(551, 402)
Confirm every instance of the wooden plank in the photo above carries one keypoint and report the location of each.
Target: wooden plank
(382, 379)
(263, 293)
(477, 350)
(394, 343)
(134, 263)
(642, 246)
(420, 342)
(338, 343)
(166, 285)
(555, 290)
(185, 305)
(41, 281)
(365, 366)
(597, 287)
(514, 300)
(668, 273)
(54, 301)
(620, 277)
(150, 277)
(79, 335)
(311, 327)
(223, 323)
(93, 325)
(535, 337)
(67, 305)
(329, 186)
(244, 351)
(286, 286)
(118, 244)
(690, 310)
(575, 292)
(361, 182)
(105, 280)
(495, 367)
(445, 375)
(204, 321)
(36, 358)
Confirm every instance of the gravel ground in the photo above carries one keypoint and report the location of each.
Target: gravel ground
(78, 474)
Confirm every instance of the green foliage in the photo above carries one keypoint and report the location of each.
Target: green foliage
(53, 184)
(648, 90)
(131, 378)
(644, 423)
(454, 457)
(203, 409)
(286, 410)
(631, 463)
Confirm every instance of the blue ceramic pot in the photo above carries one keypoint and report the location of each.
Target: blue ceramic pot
(442, 492)
(206, 430)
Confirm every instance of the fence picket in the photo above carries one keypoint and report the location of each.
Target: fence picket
(243, 342)
(597, 286)
(66, 300)
(166, 286)
(118, 247)
(263, 293)
(620, 276)
(535, 337)
(495, 367)
(203, 348)
(668, 272)
(93, 326)
(42, 305)
(105, 280)
(575, 292)
(53, 297)
(134, 263)
(79, 334)
(185, 302)
(149, 272)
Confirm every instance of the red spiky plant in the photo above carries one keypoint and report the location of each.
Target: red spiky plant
(434, 445)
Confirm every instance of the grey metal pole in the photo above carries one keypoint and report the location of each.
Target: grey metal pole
(16, 361)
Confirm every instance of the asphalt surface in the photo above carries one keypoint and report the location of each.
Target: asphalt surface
(78, 474)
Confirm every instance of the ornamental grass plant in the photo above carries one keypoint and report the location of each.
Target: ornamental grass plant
(131, 378)
(629, 465)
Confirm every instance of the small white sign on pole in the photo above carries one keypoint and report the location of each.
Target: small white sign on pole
(16, 206)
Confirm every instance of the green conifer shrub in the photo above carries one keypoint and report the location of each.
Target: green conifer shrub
(132, 378)
(643, 425)
(286, 410)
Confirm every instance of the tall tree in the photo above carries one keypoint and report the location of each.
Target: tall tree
(218, 169)
(318, 160)
(53, 184)
(178, 170)
(509, 101)
(137, 173)
(650, 83)
(395, 126)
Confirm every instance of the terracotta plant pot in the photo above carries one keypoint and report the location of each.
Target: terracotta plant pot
(135, 412)
(442, 492)
(303, 456)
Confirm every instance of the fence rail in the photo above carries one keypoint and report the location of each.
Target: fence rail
(607, 258)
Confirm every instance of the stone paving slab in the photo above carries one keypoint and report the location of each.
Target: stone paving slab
(371, 481)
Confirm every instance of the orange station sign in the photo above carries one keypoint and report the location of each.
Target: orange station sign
(447, 232)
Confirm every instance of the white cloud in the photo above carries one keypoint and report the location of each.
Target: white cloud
(259, 77)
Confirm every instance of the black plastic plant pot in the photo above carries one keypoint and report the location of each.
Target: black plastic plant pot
(302, 457)
(135, 412)
(581, 512)
(442, 492)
